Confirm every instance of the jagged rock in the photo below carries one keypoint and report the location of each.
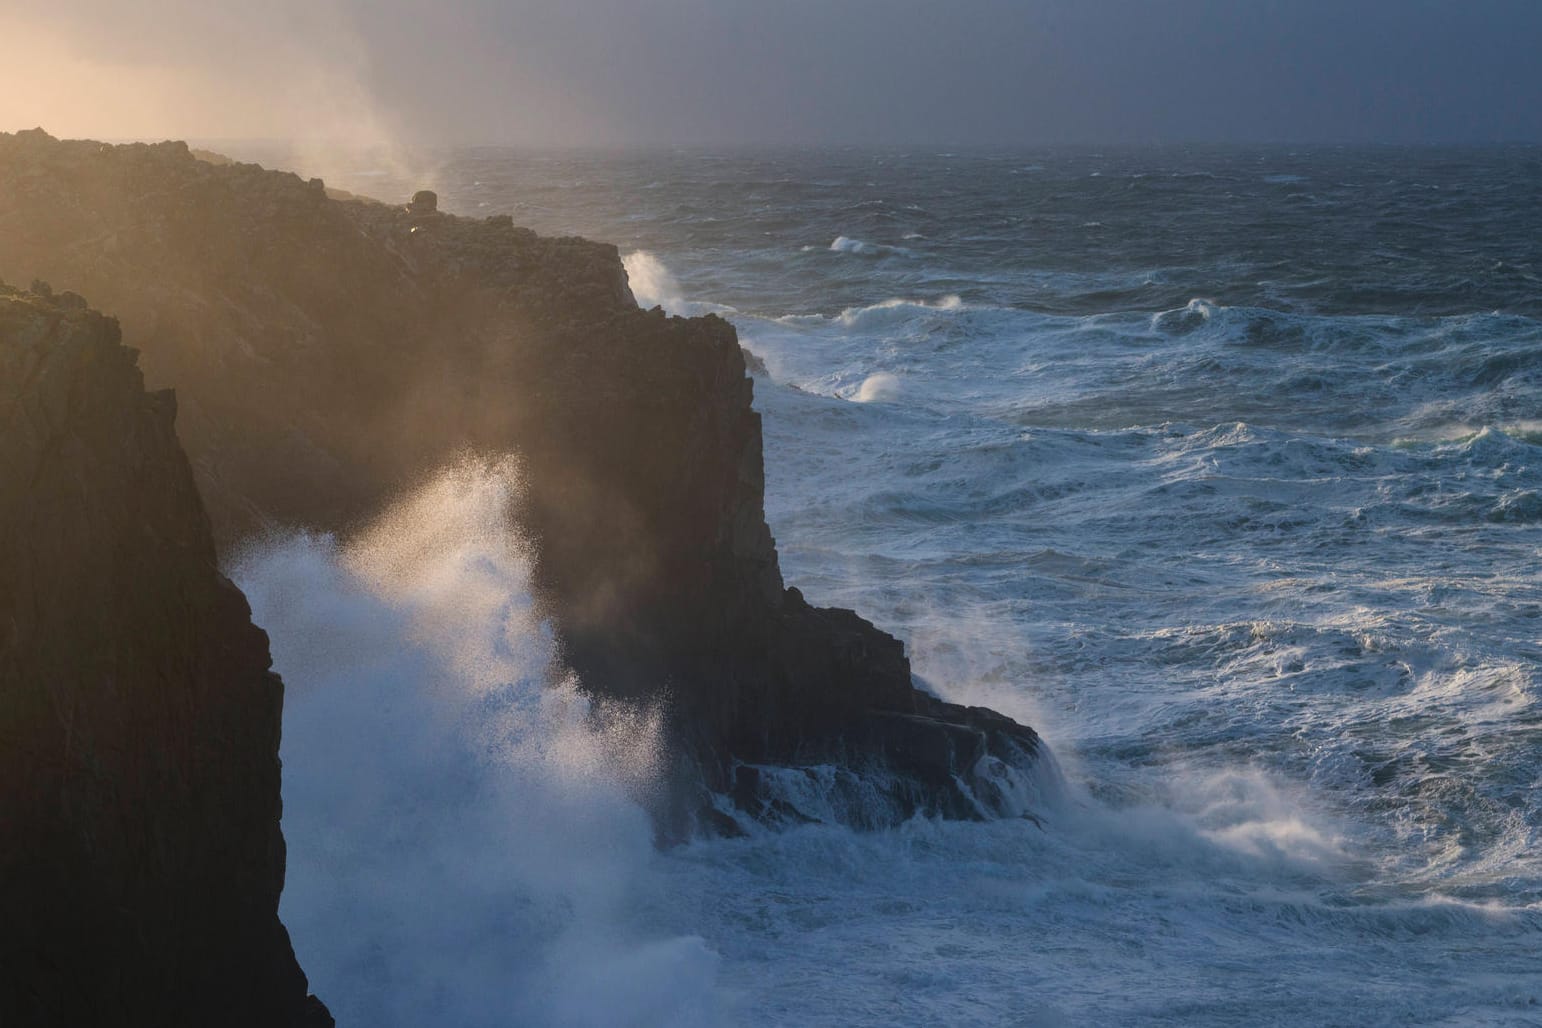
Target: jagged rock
(327, 356)
(424, 201)
(140, 853)
(211, 156)
(752, 362)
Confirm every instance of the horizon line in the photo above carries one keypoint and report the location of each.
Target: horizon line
(793, 144)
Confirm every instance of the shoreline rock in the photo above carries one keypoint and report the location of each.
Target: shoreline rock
(141, 859)
(330, 352)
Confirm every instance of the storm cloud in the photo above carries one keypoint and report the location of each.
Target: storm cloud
(619, 72)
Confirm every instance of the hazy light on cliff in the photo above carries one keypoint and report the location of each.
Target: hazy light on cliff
(210, 78)
(45, 82)
(299, 73)
(335, 75)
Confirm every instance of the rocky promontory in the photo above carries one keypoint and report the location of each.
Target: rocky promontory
(140, 854)
(328, 352)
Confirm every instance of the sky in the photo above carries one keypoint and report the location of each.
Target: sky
(628, 72)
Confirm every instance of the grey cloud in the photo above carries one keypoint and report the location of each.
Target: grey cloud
(631, 71)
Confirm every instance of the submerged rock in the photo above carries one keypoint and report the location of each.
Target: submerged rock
(140, 853)
(327, 356)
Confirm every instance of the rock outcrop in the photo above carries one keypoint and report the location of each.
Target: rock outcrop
(140, 853)
(328, 352)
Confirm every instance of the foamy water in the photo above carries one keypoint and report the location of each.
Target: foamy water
(1219, 467)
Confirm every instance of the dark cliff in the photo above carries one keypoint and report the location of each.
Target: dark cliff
(140, 853)
(329, 352)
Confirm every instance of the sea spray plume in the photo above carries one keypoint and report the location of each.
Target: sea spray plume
(651, 282)
(654, 285)
(468, 848)
(203, 70)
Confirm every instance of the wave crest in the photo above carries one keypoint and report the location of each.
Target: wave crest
(846, 244)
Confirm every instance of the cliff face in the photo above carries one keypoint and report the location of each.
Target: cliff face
(140, 853)
(328, 352)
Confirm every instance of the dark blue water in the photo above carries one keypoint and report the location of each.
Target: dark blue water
(1223, 467)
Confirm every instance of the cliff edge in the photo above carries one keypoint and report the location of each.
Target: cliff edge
(140, 853)
(329, 352)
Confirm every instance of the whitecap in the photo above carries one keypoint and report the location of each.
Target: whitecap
(893, 311)
(846, 244)
(881, 387)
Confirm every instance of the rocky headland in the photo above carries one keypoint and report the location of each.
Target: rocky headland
(328, 351)
(140, 854)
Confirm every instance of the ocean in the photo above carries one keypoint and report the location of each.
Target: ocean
(1221, 467)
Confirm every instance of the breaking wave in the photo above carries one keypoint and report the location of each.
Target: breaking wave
(845, 244)
(653, 285)
(466, 844)
(651, 282)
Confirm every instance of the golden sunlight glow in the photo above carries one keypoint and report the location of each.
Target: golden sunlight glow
(48, 81)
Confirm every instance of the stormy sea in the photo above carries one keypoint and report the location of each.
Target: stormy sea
(1222, 467)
